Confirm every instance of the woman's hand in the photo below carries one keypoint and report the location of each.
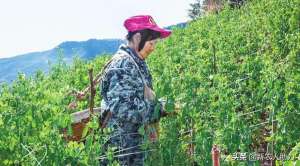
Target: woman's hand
(163, 111)
(80, 95)
(72, 105)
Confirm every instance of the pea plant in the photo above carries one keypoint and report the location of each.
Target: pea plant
(232, 78)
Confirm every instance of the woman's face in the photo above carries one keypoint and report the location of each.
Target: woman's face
(148, 48)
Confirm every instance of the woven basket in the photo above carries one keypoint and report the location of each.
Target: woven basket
(79, 121)
(81, 118)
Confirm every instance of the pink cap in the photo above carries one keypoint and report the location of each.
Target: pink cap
(141, 22)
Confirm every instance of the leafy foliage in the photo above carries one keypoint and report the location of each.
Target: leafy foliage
(236, 75)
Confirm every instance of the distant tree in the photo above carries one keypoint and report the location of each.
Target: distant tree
(236, 3)
(212, 5)
(201, 7)
(196, 10)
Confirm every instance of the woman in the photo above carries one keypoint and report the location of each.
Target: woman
(126, 89)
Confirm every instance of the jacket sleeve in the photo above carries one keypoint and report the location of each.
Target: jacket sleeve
(125, 94)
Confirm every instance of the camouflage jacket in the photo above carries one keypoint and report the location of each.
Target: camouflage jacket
(122, 91)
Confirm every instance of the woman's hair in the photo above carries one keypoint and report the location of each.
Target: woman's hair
(146, 35)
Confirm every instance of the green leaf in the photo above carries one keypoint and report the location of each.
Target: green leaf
(86, 129)
(141, 130)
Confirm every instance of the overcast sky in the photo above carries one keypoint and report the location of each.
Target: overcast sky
(38, 25)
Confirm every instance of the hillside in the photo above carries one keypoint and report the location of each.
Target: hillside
(234, 78)
(32, 62)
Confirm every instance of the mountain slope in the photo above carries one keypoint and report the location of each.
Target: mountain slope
(31, 62)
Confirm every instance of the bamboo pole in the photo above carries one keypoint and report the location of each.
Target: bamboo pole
(92, 91)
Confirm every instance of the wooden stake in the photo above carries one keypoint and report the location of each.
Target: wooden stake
(93, 92)
(215, 152)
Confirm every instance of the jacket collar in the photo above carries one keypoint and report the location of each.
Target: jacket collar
(133, 54)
